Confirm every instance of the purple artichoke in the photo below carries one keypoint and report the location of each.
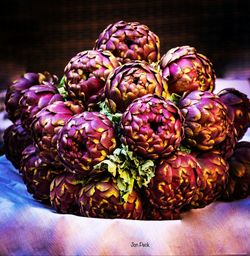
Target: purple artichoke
(131, 81)
(152, 127)
(213, 177)
(64, 193)
(38, 173)
(174, 185)
(34, 99)
(130, 41)
(86, 74)
(85, 140)
(102, 199)
(206, 121)
(226, 147)
(17, 88)
(47, 124)
(187, 70)
(16, 139)
(238, 186)
(238, 106)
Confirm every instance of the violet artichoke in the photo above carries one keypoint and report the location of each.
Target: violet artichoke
(86, 74)
(152, 127)
(206, 120)
(130, 41)
(131, 81)
(187, 70)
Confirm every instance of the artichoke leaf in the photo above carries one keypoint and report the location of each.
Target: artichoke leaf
(129, 170)
(61, 88)
(104, 109)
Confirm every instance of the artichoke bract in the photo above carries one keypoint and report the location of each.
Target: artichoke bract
(131, 81)
(213, 177)
(152, 127)
(47, 123)
(85, 140)
(238, 186)
(187, 70)
(38, 173)
(130, 41)
(17, 88)
(174, 185)
(86, 74)
(206, 120)
(102, 199)
(34, 99)
(238, 106)
(64, 193)
(16, 139)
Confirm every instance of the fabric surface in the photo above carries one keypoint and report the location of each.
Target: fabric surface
(30, 228)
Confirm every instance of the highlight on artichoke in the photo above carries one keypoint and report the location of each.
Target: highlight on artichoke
(128, 133)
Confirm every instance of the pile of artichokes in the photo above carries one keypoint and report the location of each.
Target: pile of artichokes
(128, 133)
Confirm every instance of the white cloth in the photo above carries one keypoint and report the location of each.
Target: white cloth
(30, 228)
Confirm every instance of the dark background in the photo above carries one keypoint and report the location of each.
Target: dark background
(44, 35)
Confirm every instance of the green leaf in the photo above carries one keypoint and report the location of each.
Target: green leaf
(174, 97)
(184, 149)
(129, 170)
(104, 109)
(61, 88)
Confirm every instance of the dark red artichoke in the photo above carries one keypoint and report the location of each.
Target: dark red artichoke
(226, 147)
(86, 74)
(34, 99)
(102, 199)
(174, 185)
(152, 127)
(187, 70)
(130, 41)
(238, 186)
(17, 88)
(64, 193)
(213, 177)
(131, 81)
(37, 173)
(206, 120)
(85, 140)
(47, 124)
(16, 139)
(238, 106)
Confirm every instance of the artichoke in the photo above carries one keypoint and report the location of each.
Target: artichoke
(86, 74)
(238, 106)
(187, 70)
(174, 185)
(37, 173)
(34, 99)
(131, 81)
(152, 213)
(102, 199)
(213, 177)
(130, 41)
(47, 123)
(152, 127)
(17, 88)
(16, 139)
(85, 140)
(226, 147)
(64, 193)
(238, 186)
(206, 121)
